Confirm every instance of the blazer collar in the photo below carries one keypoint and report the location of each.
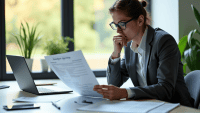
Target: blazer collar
(150, 35)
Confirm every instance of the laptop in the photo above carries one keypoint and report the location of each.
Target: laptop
(25, 81)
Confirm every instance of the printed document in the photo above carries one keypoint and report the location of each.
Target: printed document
(122, 106)
(38, 99)
(167, 107)
(73, 70)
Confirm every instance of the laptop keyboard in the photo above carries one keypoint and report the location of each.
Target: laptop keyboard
(44, 90)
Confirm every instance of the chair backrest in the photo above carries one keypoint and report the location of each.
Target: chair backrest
(192, 81)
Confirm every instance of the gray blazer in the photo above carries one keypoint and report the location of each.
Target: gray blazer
(163, 70)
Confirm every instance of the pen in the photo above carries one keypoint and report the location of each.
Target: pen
(84, 102)
(54, 104)
(45, 84)
(4, 86)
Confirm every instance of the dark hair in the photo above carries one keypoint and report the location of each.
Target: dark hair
(132, 8)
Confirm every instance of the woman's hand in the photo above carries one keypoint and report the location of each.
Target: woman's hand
(111, 92)
(118, 41)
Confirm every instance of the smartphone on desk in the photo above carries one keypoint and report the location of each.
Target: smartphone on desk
(20, 107)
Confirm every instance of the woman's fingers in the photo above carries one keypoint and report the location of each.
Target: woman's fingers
(118, 40)
(103, 93)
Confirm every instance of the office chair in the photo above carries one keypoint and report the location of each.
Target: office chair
(192, 81)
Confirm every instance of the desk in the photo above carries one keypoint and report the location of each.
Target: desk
(6, 96)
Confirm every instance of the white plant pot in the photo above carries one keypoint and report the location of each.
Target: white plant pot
(50, 70)
(44, 65)
(29, 63)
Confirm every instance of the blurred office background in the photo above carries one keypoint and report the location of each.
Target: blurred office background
(92, 33)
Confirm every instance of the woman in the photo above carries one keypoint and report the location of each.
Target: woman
(152, 59)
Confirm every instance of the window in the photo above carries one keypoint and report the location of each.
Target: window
(13, 12)
(92, 33)
(45, 12)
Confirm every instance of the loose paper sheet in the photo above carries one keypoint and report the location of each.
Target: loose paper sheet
(121, 106)
(38, 99)
(165, 108)
(73, 70)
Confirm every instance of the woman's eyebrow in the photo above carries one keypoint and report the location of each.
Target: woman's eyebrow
(119, 21)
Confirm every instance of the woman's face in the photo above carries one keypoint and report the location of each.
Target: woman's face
(133, 28)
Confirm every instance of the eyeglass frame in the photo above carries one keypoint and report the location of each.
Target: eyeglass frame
(120, 22)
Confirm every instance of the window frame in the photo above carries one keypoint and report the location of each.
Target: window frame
(2, 39)
(67, 28)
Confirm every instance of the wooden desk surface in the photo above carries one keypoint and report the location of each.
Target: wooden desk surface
(6, 96)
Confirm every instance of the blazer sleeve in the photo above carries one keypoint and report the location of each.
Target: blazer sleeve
(167, 71)
(117, 73)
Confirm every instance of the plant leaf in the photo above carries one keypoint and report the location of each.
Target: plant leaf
(188, 59)
(26, 39)
(190, 36)
(28, 27)
(197, 15)
(198, 31)
(197, 42)
(193, 42)
(19, 44)
(184, 68)
(192, 57)
(182, 44)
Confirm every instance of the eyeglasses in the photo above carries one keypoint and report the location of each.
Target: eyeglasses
(121, 25)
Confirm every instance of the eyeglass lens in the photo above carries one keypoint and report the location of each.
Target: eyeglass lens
(122, 26)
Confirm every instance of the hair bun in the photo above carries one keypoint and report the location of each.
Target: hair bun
(144, 3)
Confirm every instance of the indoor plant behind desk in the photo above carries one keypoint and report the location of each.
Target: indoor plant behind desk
(27, 40)
(54, 45)
(190, 47)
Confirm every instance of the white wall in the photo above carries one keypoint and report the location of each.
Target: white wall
(165, 15)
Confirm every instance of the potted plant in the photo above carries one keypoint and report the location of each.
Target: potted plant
(27, 40)
(190, 47)
(55, 45)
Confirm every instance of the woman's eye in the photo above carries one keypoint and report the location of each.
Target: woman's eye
(122, 24)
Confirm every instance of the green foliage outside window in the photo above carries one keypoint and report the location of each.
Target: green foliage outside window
(48, 12)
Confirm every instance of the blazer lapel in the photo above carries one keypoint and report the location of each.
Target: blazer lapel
(150, 35)
(133, 68)
(130, 60)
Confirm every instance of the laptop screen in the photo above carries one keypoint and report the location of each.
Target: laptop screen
(22, 73)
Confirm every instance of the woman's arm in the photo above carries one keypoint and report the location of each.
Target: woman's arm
(117, 73)
(167, 71)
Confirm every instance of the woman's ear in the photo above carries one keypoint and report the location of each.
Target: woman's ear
(140, 20)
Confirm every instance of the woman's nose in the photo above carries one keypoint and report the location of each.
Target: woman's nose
(119, 30)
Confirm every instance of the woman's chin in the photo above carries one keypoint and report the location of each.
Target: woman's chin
(129, 40)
